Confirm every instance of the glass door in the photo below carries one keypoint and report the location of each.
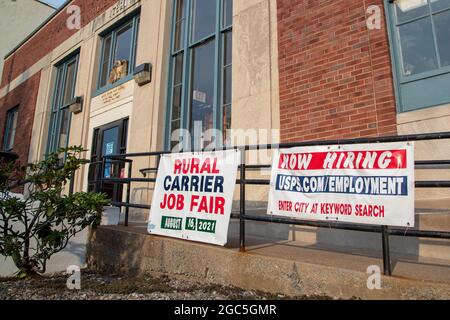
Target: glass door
(109, 139)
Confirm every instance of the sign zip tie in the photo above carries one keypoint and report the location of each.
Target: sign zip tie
(406, 231)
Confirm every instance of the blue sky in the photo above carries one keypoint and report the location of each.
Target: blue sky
(54, 3)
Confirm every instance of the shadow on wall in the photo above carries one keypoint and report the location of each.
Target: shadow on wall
(73, 255)
(119, 254)
(401, 247)
(367, 241)
(141, 195)
(337, 240)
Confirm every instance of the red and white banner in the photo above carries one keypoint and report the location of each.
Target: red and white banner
(366, 184)
(193, 196)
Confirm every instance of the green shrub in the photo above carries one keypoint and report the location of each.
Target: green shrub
(40, 224)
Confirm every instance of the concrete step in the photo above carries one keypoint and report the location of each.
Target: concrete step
(287, 267)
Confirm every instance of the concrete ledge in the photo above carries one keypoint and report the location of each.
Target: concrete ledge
(130, 250)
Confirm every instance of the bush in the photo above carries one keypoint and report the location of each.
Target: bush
(40, 224)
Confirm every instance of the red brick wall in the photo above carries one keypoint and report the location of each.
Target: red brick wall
(25, 97)
(50, 37)
(335, 74)
(43, 42)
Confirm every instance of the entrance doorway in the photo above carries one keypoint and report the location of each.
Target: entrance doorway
(107, 140)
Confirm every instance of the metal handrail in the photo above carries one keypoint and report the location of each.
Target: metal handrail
(243, 181)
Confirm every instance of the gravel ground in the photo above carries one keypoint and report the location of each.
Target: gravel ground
(96, 286)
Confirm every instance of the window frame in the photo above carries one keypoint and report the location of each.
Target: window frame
(9, 124)
(134, 20)
(57, 107)
(188, 45)
(396, 25)
(396, 53)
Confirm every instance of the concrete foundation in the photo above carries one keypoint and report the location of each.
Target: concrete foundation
(288, 267)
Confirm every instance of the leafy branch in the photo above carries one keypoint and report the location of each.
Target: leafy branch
(40, 224)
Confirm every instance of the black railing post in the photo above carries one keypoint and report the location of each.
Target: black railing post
(386, 251)
(102, 174)
(242, 204)
(127, 208)
(158, 160)
(96, 169)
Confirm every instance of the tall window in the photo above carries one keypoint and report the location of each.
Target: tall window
(420, 34)
(118, 52)
(63, 95)
(10, 129)
(200, 82)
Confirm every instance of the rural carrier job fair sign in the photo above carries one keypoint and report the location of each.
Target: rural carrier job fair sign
(366, 184)
(193, 196)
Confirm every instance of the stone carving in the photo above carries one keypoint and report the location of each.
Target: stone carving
(118, 71)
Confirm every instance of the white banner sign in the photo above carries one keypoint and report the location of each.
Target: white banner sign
(193, 196)
(366, 184)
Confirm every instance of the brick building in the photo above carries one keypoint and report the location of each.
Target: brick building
(308, 69)
(312, 69)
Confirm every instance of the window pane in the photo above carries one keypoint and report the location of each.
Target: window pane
(204, 19)
(110, 143)
(437, 5)
(175, 133)
(177, 94)
(12, 133)
(227, 61)
(176, 107)
(174, 136)
(10, 129)
(227, 13)
(105, 61)
(202, 93)
(179, 35)
(410, 9)
(178, 74)
(442, 26)
(417, 45)
(58, 88)
(228, 48)
(181, 10)
(136, 40)
(227, 85)
(69, 84)
(179, 25)
(64, 127)
(226, 123)
(122, 53)
(124, 138)
(52, 133)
